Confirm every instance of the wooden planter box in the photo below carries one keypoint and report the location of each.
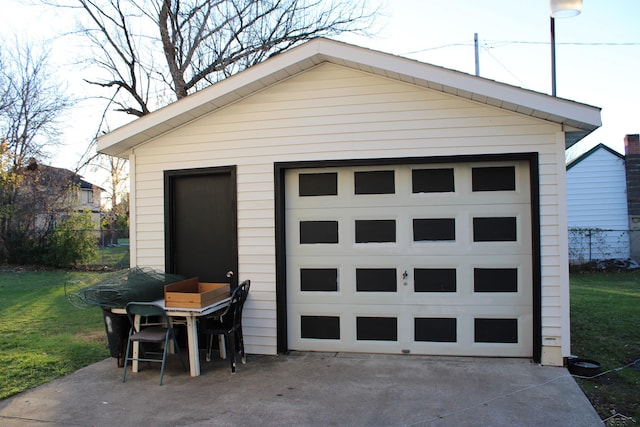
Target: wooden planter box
(190, 293)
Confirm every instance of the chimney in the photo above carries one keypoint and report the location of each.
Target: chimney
(631, 144)
(632, 169)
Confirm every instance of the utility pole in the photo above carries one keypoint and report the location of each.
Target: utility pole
(553, 56)
(475, 43)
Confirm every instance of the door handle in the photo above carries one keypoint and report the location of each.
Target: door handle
(229, 274)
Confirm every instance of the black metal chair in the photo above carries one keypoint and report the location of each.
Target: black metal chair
(229, 324)
(159, 331)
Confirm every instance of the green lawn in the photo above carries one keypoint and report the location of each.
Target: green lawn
(605, 326)
(43, 336)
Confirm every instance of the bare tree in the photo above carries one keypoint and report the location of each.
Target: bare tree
(29, 121)
(149, 53)
(206, 40)
(5, 94)
(200, 41)
(32, 102)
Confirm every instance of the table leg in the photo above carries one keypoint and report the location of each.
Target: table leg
(136, 346)
(192, 338)
(222, 347)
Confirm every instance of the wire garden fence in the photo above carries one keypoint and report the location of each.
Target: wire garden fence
(112, 250)
(597, 245)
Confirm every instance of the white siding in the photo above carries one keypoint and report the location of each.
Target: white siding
(332, 112)
(597, 198)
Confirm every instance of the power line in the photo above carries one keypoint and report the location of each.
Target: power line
(504, 67)
(436, 47)
(579, 43)
(498, 43)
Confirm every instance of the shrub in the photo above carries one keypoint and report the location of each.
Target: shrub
(73, 241)
(25, 247)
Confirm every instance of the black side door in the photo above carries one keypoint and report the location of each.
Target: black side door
(201, 238)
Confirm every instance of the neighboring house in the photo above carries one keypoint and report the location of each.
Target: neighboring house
(89, 197)
(598, 217)
(56, 192)
(378, 204)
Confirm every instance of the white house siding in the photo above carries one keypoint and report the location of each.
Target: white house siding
(333, 112)
(597, 198)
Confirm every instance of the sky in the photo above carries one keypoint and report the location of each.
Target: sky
(597, 54)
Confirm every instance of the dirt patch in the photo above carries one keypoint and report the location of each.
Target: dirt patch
(613, 397)
(91, 336)
(9, 268)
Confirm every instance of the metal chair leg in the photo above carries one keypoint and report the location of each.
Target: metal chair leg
(164, 356)
(126, 362)
(209, 348)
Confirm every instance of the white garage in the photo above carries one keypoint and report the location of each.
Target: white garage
(431, 258)
(378, 204)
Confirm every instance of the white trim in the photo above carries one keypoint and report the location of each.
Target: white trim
(563, 256)
(133, 247)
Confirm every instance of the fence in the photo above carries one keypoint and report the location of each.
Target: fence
(596, 244)
(112, 250)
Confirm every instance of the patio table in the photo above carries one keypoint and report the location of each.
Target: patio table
(191, 315)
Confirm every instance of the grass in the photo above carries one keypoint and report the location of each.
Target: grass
(605, 326)
(43, 336)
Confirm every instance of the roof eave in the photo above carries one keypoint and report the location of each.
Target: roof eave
(582, 117)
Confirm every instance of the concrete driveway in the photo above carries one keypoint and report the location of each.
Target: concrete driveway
(312, 389)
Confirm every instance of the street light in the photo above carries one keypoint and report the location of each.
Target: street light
(560, 9)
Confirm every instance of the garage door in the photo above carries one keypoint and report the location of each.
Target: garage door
(422, 259)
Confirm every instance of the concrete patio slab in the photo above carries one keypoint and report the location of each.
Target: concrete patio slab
(312, 389)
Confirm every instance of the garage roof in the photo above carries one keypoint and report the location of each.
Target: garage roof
(578, 119)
